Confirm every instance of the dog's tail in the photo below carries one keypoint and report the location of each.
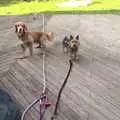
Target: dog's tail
(50, 36)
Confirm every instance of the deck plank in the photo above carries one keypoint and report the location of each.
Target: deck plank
(93, 87)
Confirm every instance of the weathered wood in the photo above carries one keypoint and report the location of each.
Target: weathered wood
(93, 87)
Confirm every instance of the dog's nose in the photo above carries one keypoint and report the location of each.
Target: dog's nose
(74, 45)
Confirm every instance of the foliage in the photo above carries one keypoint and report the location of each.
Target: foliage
(14, 7)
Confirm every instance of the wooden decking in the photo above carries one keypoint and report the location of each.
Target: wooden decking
(93, 89)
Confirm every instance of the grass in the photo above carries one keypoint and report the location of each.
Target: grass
(13, 7)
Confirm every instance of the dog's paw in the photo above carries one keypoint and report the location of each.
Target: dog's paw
(23, 57)
(38, 46)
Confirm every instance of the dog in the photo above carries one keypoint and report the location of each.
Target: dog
(74, 47)
(28, 38)
(65, 44)
(71, 45)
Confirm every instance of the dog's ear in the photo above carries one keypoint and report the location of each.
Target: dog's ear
(25, 27)
(65, 38)
(77, 37)
(71, 37)
(15, 27)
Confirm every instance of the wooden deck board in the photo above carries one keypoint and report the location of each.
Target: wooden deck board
(93, 87)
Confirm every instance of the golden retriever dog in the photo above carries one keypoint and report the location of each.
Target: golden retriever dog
(28, 38)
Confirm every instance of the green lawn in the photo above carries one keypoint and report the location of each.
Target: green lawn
(99, 6)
